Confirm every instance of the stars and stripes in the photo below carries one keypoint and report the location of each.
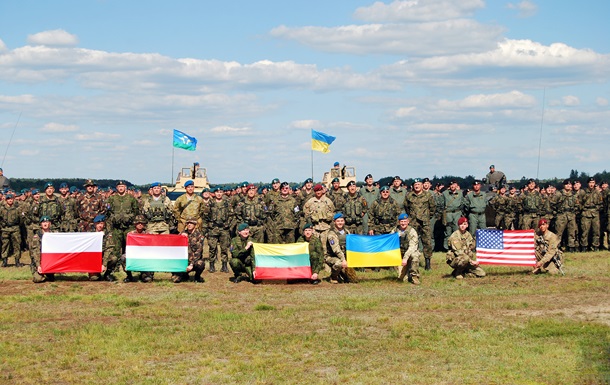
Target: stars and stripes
(506, 247)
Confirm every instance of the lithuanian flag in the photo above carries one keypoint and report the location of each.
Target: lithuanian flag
(373, 250)
(288, 261)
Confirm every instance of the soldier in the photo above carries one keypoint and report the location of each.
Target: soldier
(495, 178)
(501, 205)
(336, 195)
(383, 213)
(51, 207)
(409, 249)
(196, 261)
(461, 255)
(253, 211)
(158, 209)
(188, 205)
(140, 228)
(284, 214)
(355, 208)
(269, 198)
(306, 193)
(122, 209)
(109, 256)
(242, 251)
(335, 253)
(591, 203)
(514, 202)
(31, 216)
(370, 193)
(474, 205)
(547, 250)
(216, 226)
(452, 206)
(35, 251)
(319, 211)
(88, 206)
(10, 221)
(531, 203)
(68, 203)
(398, 192)
(436, 226)
(421, 206)
(4, 181)
(316, 252)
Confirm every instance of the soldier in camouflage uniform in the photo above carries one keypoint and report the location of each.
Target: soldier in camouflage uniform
(158, 209)
(501, 205)
(514, 201)
(305, 194)
(436, 225)
(383, 213)
(452, 206)
(10, 221)
(421, 206)
(253, 211)
(51, 207)
(122, 209)
(216, 227)
(319, 211)
(31, 216)
(370, 193)
(409, 249)
(336, 195)
(335, 253)
(461, 255)
(547, 247)
(316, 252)
(398, 192)
(269, 198)
(110, 258)
(68, 203)
(590, 203)
(566, 215)
(242, 252)
(88, 206)
(196, 261)
(474, 206)
(354, 209)
(139, 222)
(188, 205)
(531, 203)
(284, 214)
(37, 276)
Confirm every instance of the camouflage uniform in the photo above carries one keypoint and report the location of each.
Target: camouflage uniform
(547, 247)
(566, 217)
(270, 227)
(591, 203)
(253, 212)
(31, 218)
(335, 253)
(285, 218)
(316, 253)
(88, 206)
(460, 255)
(474, 206)
(452, 207)
(383, 214)
(319, 212)
(195, 256)
(409, 249)
(501, 205)
(10, 221)
(159, 213)
(338, 199)
(52, 208)
(420, 208)
(242, 260)
(399, 195)
(216, 227)
(370, 194)
(68, 222)
(35, 258)
(122, 210)
(354, 209)
(188, 207)
(531, 202)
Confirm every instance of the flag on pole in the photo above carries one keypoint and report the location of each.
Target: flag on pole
(506, 247)
(71, 253)
(182, 140)
(287, 261)
(156, 252)
(321, 141)
(373, 250)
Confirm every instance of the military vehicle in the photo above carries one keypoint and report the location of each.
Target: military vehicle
(197, 174)
(345, 175)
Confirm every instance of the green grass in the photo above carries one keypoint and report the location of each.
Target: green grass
(507, 328)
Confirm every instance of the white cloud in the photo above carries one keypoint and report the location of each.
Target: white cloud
(2, 46)
(305, 124)
(570, 100)
(29, 152)
(512, 99)
(97, 136)
(57, 37)
(418, 10)
(57, 127)
(231, 130)
(20, 99)
(405, 111)
(602, 102)
(526, 8)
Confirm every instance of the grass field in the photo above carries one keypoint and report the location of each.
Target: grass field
(507, 328)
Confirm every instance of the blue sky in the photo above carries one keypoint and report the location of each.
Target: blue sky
(409, 88)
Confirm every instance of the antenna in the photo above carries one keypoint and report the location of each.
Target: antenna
(11, 139)
(540, 140)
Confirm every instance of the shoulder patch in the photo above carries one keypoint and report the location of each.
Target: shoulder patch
(332, 242)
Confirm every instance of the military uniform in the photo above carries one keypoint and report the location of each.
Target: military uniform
(475, 205)
(399, 195)
(501, 205)
(383, 214)
(316, 253)
(547, 247)
(51, 207)
(337, 196)
(531, 203)
(591, 203)
(88, 206)
(10, 222)
(253, 211)
(461, 254)
(452, 207)
(269, 199)
(355, 208)
(122, 210)
(335, 254)
(35, 258)
(284, 216)
(409, 249)
(188, 207)
(68, 222)
(216, 227)
(159, 213)
(566, 218)
(420, 208)
(319, 212)
(242, 260)
(195, 253)
(370, 195)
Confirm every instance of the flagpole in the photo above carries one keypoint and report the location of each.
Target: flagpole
(312, 157)
(173, 150)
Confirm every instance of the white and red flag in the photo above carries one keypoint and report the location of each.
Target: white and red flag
(71, 253)
(506, 247)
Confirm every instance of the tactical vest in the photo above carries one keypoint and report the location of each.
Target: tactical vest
(352, 210)
(342, 239)
(51, 208)
(158, 212)
(531, 203)
(121, 212)
(219, 213)
(385, 215)
(253, 212)
(10, 216)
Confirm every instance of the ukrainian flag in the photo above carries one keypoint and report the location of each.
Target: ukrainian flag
(373, 250)
(321, 141)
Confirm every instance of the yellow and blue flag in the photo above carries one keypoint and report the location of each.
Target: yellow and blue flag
(184, 141)
(321, 141)
(373, 250)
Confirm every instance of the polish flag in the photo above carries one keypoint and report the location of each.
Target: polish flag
(71, 253)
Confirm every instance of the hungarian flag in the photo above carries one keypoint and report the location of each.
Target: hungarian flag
(71, 253)
(506, 247)
(157, 252)
(288, 261)
(373, 250)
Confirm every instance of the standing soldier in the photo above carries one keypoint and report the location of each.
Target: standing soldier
(452, 207)
(409, 249)
(501, 205)
(216, 226)
(122, 209)
(10, 221)
(269, 199)
(319, 211)
(370, 193)
(435, 227)
(158, 209)
(591, 203)
(336, 195)
(31, 214)
(383, 213)
(531, 203)
(88, 206)
(355, 208)
(196, 261)
(284, 214)
(514, 208)
(68, 203)
(302, 197)
(566, 215)
(253, 211)
(421, 206)
(51, 207)
(188, 205)
(474, 205)
(398, 192)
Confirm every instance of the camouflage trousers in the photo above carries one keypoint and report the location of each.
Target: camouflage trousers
(461, 266)
(567, 221)
(411, 269)
(159, 227)
(529, 221)
(198, 268)
(120, 238)
(85, 226)
(504, 221)
(589, 225)
(284, 236)
(257, 233)
(424, 232)
(239, 267)
(355, 229)
(219, 237)
(11, 244)
(68, 226)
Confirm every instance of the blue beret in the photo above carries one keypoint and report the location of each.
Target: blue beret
(10, 196)
(275, 180)
(48, 184)
(45, 218)
(73, 189)
(99, 218)
(336, 164)
(403, 216)
(35, 191)
(189, 183)
(384, 188)
(155, 184)
(335, 180)
(337, 216)
(417, 180)
(63, 185)
(308, 180)
(242, 226)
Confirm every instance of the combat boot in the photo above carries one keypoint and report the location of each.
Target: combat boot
(18, 263)
(109, 277)
(428, 267)
(4, 262)
(212, 267)
(198, 278)
(224, 268)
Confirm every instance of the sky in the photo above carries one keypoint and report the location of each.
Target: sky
(417, 88)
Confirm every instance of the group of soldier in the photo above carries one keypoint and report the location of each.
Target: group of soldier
(228, 222)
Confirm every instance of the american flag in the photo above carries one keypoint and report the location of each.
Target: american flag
(506, 247)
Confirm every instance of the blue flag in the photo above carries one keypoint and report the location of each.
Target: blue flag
(182, 140)
(321, 141)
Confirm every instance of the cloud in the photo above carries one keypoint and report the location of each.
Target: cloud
(231, 130)
(20, 99)
(2, 46)
(29, 152)
(512, 99)
(526, 8)
(97, 136)
(305, 124)
(57, 37)
(570, 100)
(57, 127)
(413, 10)
(602, 102)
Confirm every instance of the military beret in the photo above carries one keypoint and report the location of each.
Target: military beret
(250, 187)
(155, 184)
(205, 190)
(307, 226)
(318, 187)
(453, 181)
(73, 189)
(337, 216)
(476, 182)
(120, 182)
(45, 218)
(543, 221)
(336, 164)
(462, 220)
(351, 183)
(604, 182)
(403, 216)
(591, 179)
(284, 184)
(89, 182)
(492, 166)
(336, 180)
(244, 184)
(397, 178)
(384, 188)
(530, 180)
(426, 180)
(63, 185)
(10, 196)
(416, 180)
(368, 176)
(242, 226)
(189, 183)
(140, 219)
(513, 187)
(308, 180)
(24, 190)
(575, 181)
(35, 191)
(99, 218)
(439, 184)
(196, 163)
(47, 185)
(191, 220)
(566, 181)
(275, 180)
